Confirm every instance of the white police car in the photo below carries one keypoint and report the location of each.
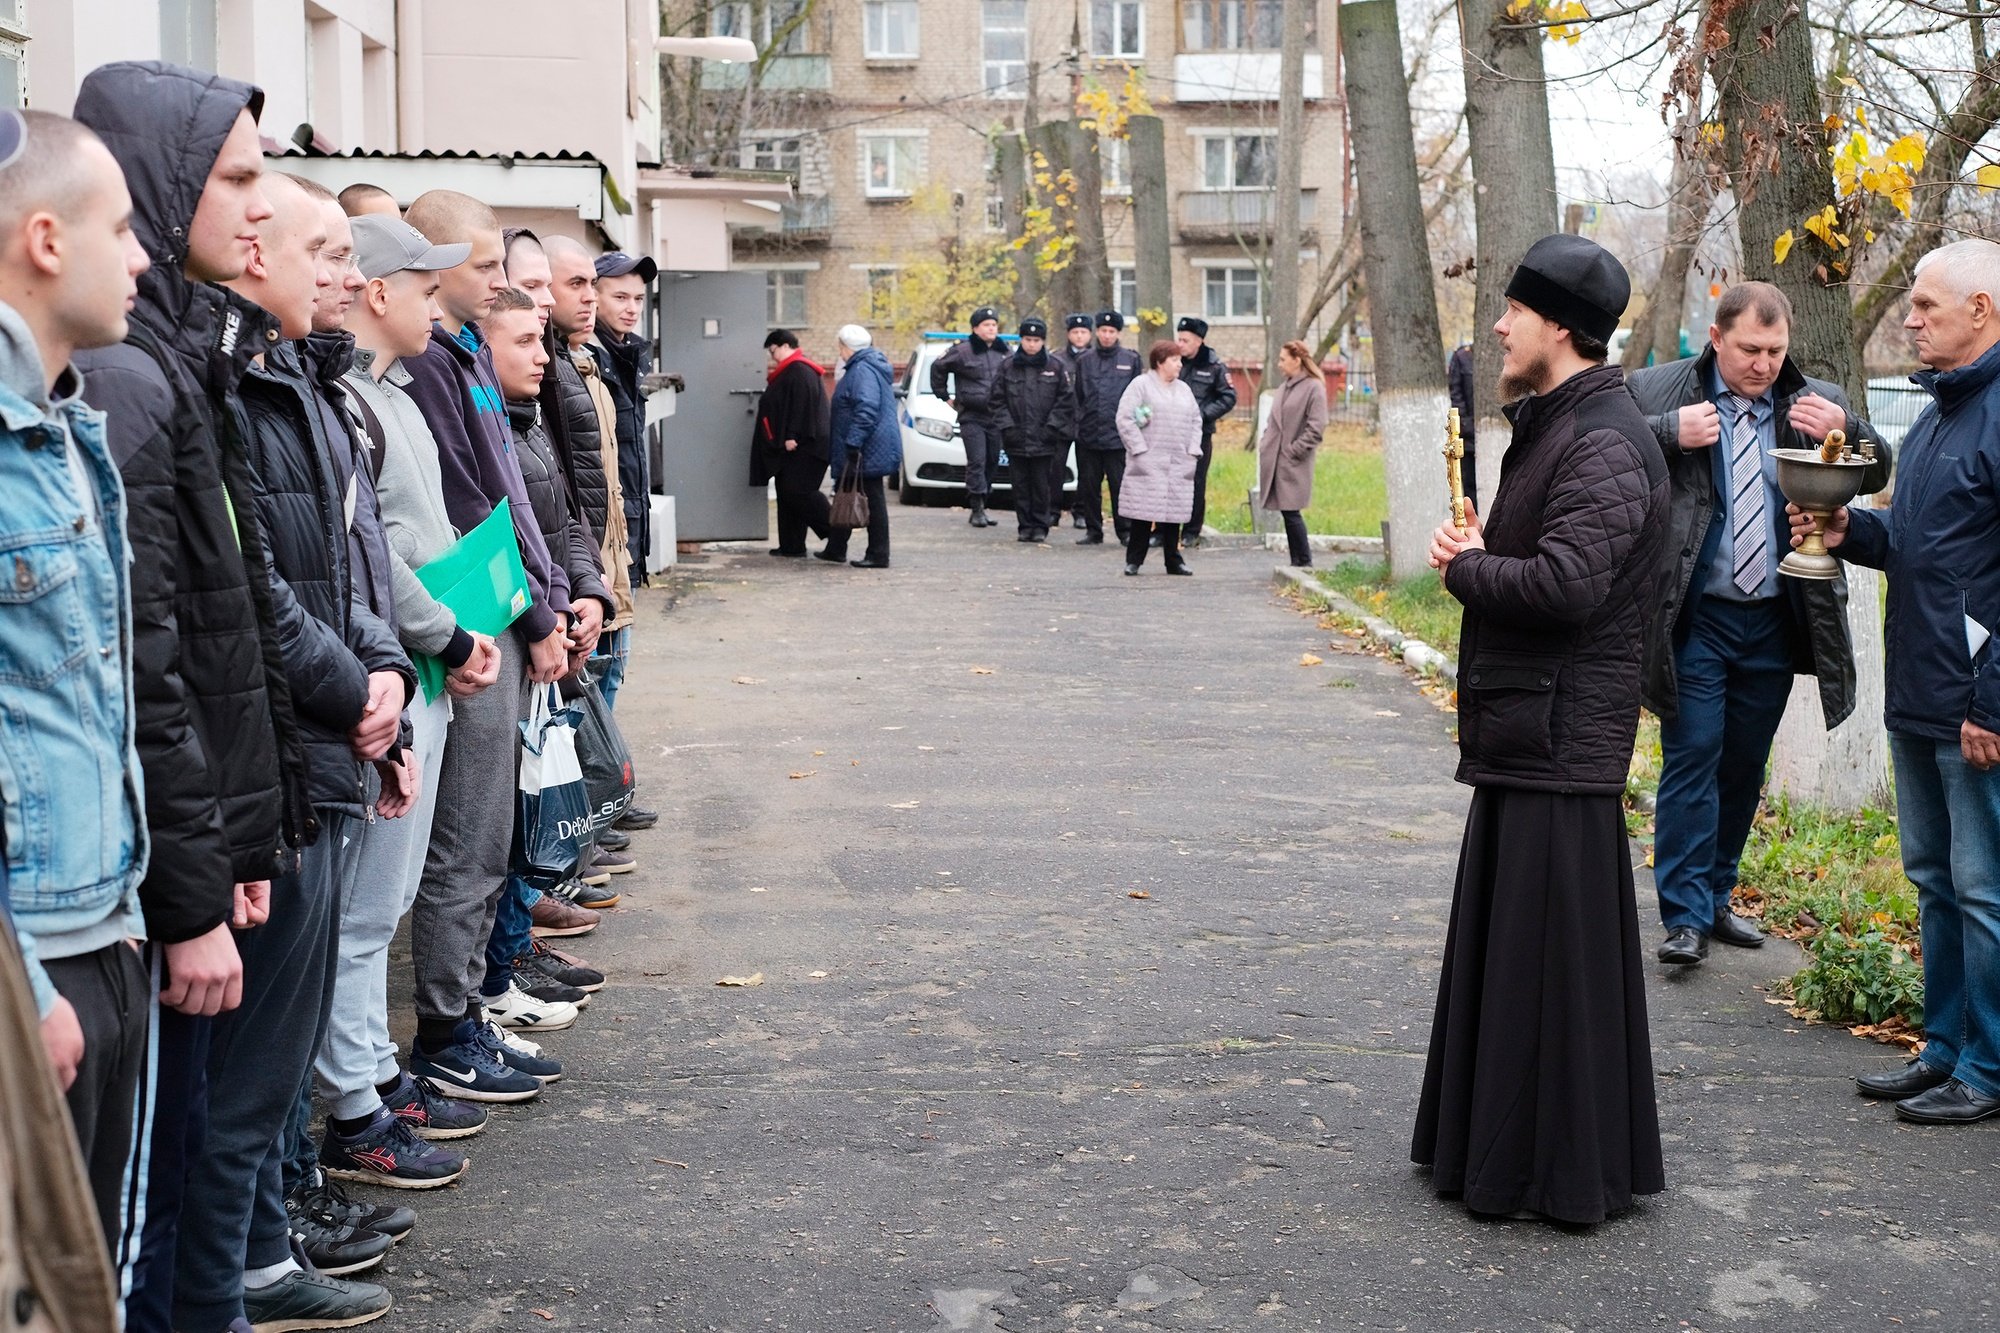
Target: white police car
(933, 454)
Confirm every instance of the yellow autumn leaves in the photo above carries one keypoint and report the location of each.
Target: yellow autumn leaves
(1548, 11)
(1861, 172)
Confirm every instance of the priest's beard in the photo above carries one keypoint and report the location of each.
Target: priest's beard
(1532, 379)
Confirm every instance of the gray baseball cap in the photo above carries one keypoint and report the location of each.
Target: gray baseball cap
(385, 245)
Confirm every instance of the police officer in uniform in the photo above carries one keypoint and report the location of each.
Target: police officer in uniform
(1215, 393)
(1036, 410)
(1076, 329)
(1102, 374)
(965, 376)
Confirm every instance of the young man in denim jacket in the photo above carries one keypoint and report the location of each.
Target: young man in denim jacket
(69, 266)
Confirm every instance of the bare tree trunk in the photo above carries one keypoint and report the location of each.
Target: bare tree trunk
(1152, 226)
(1046, 142)
(1396, 263)
(1514, 174)
(1690, 192)
(1093, 264)
(1281, 319)
(1768, 101)
(1012, 155)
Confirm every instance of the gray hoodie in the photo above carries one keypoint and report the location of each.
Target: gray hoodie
(410, 490)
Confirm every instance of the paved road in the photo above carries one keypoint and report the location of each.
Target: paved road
(983, 1086)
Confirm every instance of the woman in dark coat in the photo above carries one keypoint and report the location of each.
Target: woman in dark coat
(789, 441)
(1290, 442)
(864, 430)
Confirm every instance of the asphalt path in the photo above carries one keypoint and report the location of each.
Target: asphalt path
(1099, 938)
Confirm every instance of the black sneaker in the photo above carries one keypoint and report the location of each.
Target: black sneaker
(471, 1071)
(333, 1246)
(306, 1299)
(327, 1197)
(516, 1056)
(546, 988)
(386, 1153)
(614, 839)
(636, 816)
(570, 971)
(419, 1103)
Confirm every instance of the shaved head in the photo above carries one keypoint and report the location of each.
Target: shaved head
(361, 197)
(447, 217)
(50, 175)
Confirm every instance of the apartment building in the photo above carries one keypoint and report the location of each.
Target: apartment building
(551, 114)
(883, 112)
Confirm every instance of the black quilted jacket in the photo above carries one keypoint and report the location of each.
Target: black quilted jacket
(1559, 604)
(582, 439)
(224, 769)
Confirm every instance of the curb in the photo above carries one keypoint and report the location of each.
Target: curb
(1275, 541)
(1415, 654)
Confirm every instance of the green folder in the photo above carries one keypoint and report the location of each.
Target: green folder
(480, 579)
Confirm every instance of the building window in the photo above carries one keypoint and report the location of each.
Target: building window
(1239, 161)
(1233, 25)
(1003, 36)
(785, 298)
(891, 165)
(1116, 28)
(1125, 290)
(1114, 158)
(779, 26)
(883, 292)
(1232, 293)
(773, 152)
(889, 29)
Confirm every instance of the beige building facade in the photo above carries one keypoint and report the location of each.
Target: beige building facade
(548, 112)
(885, 111)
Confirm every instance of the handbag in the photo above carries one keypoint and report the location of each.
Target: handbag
(552, 826)
(601, 752)
(849, 508)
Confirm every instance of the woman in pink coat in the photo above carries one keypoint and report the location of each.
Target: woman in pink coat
(1160, 423)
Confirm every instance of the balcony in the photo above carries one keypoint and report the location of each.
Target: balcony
(1229, 215)
(804, 221)
(784, 74)
(1240, 76)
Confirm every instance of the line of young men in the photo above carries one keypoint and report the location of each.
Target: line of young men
(1033, 404)
(232, 425)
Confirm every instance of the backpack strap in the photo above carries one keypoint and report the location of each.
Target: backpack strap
(371, 426)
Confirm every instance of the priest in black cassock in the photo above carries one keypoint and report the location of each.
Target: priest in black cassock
(1538, 1094)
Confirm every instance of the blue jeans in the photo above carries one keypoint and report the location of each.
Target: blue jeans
(1949, 815)
(1734, 675)
(509, 940)
(607, 664)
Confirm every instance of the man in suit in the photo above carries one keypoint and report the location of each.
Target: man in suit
(1733, 633)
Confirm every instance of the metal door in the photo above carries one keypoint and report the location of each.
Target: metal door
(712, 334)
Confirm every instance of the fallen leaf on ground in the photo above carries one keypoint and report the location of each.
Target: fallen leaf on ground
(906, 805)
(927, 747)
(754, 979)
(982, 671)
(668, 1161)
(757, 888)
(1138, 893)
(1310, 659)
(747, 680)
(818, 753)
(1387, 712)
(545, 1314)
(816, 975)
(805, 774)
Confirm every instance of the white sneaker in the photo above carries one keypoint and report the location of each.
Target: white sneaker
(514, 1041)
(518, 1009)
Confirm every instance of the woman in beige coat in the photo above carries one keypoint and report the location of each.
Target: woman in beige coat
(1291, 438)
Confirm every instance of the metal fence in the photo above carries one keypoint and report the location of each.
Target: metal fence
(1893, 405)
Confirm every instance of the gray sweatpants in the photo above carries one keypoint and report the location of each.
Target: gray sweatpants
(357, 1053)
(465, 866)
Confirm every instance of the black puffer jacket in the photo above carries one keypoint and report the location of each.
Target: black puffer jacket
(1102, 375)
(224, 768)
(626, 360)
(968, 374)
(1558, 605)
(1207, 377)
(582, 440)
(1036, 409)
(302, 500)
(570, 546)
(1820, 642)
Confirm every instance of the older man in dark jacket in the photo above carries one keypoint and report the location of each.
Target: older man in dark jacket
(788, 442)
(1731, 632)
(1940, 545)
(226, 801)
(1558, 592)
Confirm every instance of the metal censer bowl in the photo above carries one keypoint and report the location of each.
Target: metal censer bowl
(1820, 481)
